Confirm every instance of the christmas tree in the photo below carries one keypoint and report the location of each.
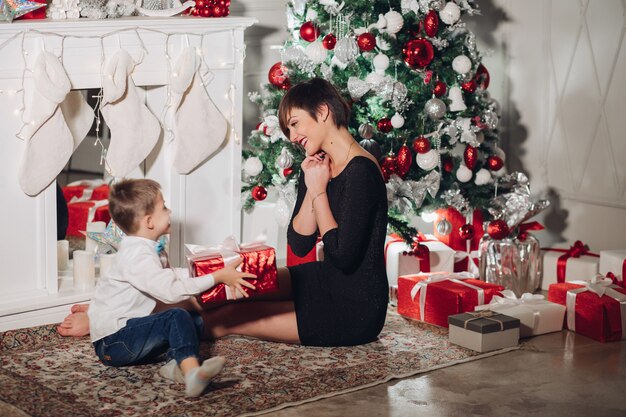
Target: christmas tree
(412, 73)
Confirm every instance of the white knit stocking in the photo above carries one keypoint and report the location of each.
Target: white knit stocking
(49, 142)
(134, 129)
(199, 127)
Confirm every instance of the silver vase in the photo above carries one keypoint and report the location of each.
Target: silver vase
(511, 262)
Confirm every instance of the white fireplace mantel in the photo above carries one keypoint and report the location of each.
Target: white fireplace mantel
(205, 203)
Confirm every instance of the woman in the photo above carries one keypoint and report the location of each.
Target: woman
(342, 300)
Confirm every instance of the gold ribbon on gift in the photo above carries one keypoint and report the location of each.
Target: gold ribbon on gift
(601, 286)
(457, 277)
(484, 314)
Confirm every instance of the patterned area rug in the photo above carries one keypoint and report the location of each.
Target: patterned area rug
(43, 374)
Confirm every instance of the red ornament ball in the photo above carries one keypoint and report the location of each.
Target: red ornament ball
(384, 125)
(482, 77)
(259, 193)
(200, 4)
(287, 172)
(447, 164)
(421, 252)
(440, 89)
(498, 229)
(495, 163)
(218, 11)
(206, 12)
(404, 160)
(421, 145)
(277, 76)
(466, 231)
(470, 156)
(418, 53)
(329, 42)
(469, 87)
(389, 167)
(194, 12)
(431, 23)
(309, 31)
(366, 41)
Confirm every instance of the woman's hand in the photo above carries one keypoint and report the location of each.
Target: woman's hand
(316, 170)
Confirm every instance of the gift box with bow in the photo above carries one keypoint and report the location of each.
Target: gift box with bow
(613, 266)
(258, 259)
(595, 308)
(536, 314)
(568, 264)
(433, 297)
(484, 331)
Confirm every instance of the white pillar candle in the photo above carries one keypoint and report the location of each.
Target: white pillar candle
(63, 254)
(106, 260)
(97, 227)
(84, 270)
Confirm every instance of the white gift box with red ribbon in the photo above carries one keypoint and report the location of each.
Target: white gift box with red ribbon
(613, 261)
(536, 314)
(398, 262)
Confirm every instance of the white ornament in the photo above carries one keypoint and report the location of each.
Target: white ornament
(271, 127)
(346, 50)
(374, 79)
(461, 64)
(382, 44)
(450, 14)
(338, 63)
(464, 174)
(395, 21)
(252, 166)
(428, 160)
(381, 63)
(500, 153)
(316, 52)
(500, 173)
(456, 99)
(397, 121)
(299, 6)
(282, 213)
(483, 177)
(284, 160)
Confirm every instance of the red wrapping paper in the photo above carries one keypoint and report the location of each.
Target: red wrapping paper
(98, 193)
(598, 318)
(78, 216)
(443, 298)
(456, 219)
(259, 260)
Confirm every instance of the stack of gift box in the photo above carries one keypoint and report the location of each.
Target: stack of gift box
(87, 202)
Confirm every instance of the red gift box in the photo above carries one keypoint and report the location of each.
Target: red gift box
(85, 192)
(434, 297)
(466, 248)
(82, 212)
(258, 259)
(596, 308)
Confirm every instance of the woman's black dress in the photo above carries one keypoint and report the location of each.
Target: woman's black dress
(342, 300)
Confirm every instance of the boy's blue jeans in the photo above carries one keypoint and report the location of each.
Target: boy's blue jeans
(174, 332)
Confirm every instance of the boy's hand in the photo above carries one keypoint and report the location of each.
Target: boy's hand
(230, 276)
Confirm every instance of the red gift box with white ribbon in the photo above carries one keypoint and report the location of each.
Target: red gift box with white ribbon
(595, 308)
(258, 259)
(433, 297)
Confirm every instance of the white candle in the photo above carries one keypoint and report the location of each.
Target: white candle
(84, 270)
(97, 227)
(106, 260)
(63, 254)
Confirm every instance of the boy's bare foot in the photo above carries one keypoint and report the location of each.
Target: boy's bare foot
(78, 308)
(76, 325)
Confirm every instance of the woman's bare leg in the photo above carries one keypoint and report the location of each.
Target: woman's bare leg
(268, 320)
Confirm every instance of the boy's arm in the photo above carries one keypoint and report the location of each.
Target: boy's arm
(165, 284)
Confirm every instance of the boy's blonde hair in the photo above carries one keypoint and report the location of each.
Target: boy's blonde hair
(130, 199)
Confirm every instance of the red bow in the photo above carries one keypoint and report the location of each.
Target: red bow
(524, 228)
(616, 281)
(577, 250)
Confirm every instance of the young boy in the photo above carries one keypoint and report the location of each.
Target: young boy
(124, 329)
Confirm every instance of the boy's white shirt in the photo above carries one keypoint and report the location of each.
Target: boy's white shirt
(133, 283)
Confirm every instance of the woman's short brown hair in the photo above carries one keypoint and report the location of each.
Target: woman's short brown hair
(131, 199)
(310, 96)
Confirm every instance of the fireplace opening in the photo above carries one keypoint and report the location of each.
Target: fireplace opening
(82, 196)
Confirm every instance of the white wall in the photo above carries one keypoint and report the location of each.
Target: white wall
(558, 68)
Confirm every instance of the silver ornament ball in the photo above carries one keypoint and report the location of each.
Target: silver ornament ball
(366, 131)
(435, 108)
(444, 227)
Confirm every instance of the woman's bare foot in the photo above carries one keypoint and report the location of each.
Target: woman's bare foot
(76, 324)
